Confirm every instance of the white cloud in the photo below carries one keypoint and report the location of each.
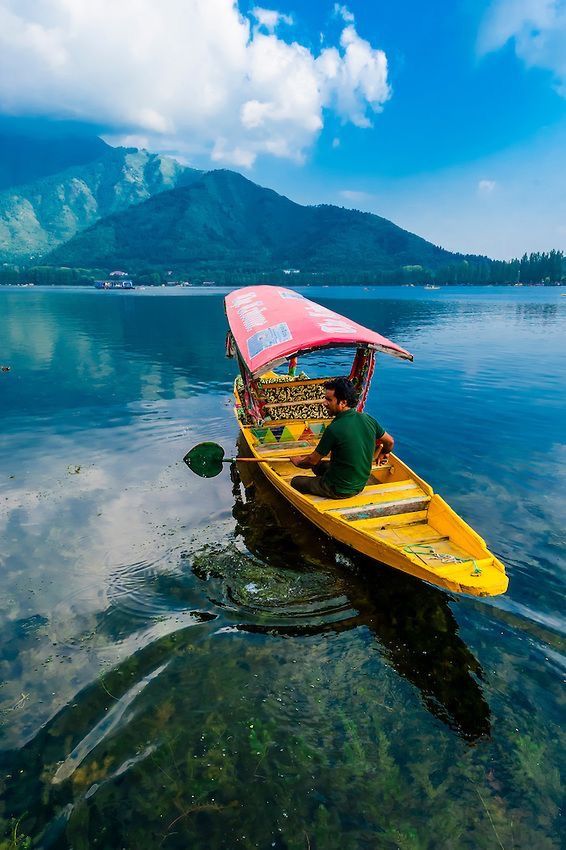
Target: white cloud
(356, 196)
(344, 13)
(225, 152)
(538, 30)
(270, 19)
(191, 76)
(354, 79)
(486, 187)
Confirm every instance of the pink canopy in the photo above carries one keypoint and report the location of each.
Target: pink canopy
(270, 324)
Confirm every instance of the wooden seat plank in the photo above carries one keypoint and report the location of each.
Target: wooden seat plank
(379, 509)
(372, 495)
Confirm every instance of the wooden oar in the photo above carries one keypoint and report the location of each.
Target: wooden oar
(206, 459)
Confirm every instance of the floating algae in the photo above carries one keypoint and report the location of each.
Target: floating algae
(249, 583)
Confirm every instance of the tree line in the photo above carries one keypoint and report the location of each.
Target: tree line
(539, 267)
(535, 268)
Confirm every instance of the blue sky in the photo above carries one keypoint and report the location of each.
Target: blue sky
(450, 118)
(470, 150)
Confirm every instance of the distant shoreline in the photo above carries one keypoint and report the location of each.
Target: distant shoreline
(193, 286)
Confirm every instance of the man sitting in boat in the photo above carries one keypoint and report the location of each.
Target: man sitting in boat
(353, 440)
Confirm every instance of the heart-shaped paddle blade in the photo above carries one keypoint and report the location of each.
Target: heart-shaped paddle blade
(205, 459)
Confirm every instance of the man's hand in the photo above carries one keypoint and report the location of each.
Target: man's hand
(297, 461)
(382, 448)
(306, 461)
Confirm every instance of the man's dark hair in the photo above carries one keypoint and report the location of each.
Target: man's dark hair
(343, 390)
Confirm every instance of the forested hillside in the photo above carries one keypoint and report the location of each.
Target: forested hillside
(38, 216)
(107, 207)
(225, 222)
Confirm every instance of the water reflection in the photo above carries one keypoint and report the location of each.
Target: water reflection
(411, 621)
(137, 720)
(181, 666)
(77, 350)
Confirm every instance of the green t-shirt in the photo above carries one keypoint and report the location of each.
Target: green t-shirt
(350, 439)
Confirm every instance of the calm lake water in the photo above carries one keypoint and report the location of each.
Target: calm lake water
(186, 663)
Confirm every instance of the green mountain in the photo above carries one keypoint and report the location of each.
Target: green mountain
(224, 222)
(26, 155)
(38, 216)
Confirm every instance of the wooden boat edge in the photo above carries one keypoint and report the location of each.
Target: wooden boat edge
(388, 555)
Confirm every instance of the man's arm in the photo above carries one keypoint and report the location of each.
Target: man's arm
(382, 448)
(323, 448)
(307, 461)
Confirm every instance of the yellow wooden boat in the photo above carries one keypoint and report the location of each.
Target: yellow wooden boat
(398, 519)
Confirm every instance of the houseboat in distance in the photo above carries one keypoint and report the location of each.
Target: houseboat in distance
(115, 280)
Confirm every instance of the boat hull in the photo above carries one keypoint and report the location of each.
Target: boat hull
(397, 520)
